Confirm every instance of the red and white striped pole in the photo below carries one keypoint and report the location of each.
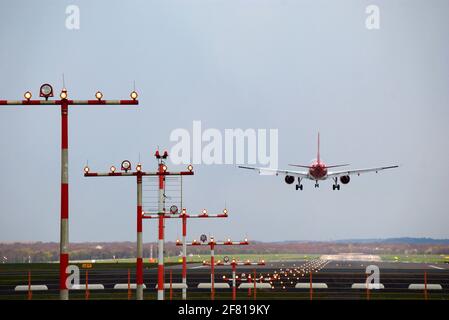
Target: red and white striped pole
(234, 287)
(139, 214)
(212, 243)
(64, 232)
(64, 223)
(184, 216)
(234, 265)
(30, 293)
(161, 215)
(171, 284)
(425, 285)
(86, 293)
(184, 255)
(129, 284)
(255, 286)
(160, 260)
(139, 261)
(212, 269)
(311, 285)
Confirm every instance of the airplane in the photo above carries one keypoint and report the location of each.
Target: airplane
(317, 171)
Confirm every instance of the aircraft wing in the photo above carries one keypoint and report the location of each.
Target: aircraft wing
(276, 172)
(357, 171)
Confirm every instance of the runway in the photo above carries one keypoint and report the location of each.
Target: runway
(330, 280)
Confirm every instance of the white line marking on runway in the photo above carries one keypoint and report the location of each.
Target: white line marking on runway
(435, 267)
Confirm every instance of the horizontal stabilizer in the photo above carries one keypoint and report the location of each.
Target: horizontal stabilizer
(300, 166)
(337, 165)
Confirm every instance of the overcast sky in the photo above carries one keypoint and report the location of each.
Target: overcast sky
(378, 97)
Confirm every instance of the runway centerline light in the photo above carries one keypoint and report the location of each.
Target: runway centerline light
(204, 211)
(225, 211)
(134, 95)
(164, 167)
(190, 167)
(112, 169)
(86, 169)
(138, 167)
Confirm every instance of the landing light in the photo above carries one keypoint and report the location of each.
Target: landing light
(27, 95)
(98, 95)
(63, 94)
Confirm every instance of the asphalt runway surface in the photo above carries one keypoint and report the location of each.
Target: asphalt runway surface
(339, 276)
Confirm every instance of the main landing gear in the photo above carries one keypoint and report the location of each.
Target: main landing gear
(299, 185)
(335, 186)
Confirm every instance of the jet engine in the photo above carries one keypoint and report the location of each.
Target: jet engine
(345, 179)
(289, 179)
